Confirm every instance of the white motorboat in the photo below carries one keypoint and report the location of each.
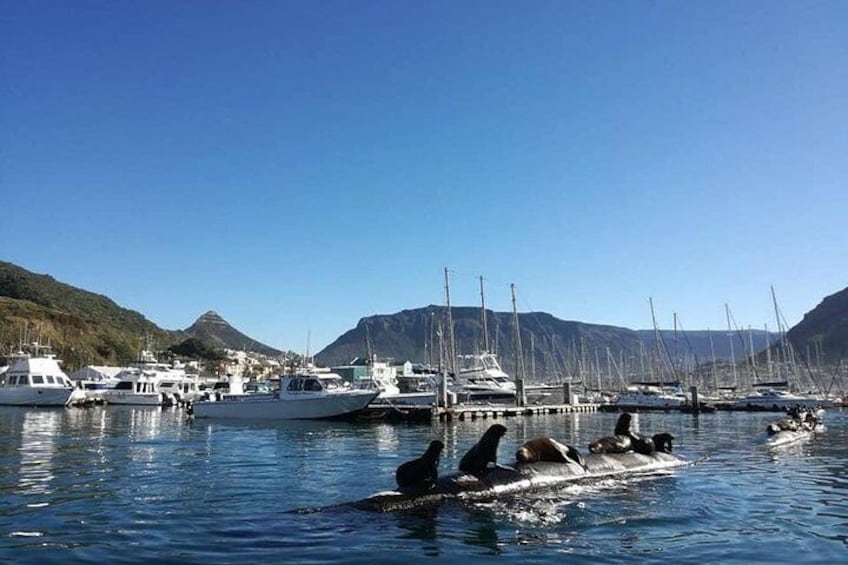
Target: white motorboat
(305, 396)
(649, 397)
(383, 378)
(774, 399)
(35, 380)
(152, 383)
(481, 379)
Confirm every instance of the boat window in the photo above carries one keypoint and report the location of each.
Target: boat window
(124, 385)
(13, 380)
(295, 384)
(312, 384)
(50, 380)
(37, 380)
(23, 380)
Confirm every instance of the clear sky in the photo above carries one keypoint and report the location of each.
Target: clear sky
(296, 166)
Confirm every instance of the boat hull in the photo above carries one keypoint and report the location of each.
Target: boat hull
(34, 396)
(134, 398)
(270, 407)
(522, 477)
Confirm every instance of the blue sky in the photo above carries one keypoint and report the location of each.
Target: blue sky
(296, 166)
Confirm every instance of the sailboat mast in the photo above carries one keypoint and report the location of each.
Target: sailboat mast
(659, 342)
(768, 356)
(452, 345)
(519, 351)
(730, 338)
(715, 363)
(781, 351)
(483, 317)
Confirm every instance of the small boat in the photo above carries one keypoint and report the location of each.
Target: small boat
(305, 396)
(35, 380)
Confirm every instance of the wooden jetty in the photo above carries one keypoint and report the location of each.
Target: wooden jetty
(463, 412)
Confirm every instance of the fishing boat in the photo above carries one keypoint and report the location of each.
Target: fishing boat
(35, 380)
(306, 396)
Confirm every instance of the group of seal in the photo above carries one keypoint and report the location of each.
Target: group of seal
(624, 441)
(421, 474)
(798, 420)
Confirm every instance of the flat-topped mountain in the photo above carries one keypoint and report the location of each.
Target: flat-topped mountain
(551, 346)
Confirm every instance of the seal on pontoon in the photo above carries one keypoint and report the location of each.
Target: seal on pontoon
(662, 442)
(422, 473)
(624, 440)
(611, 444)
(485, 451)
(548, 449)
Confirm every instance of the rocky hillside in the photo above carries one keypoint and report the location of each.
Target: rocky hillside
(824, 330)
(216, 331)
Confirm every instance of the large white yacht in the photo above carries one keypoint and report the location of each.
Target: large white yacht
(480, 378)
(35, 380)
(775, 399)
(650, 397)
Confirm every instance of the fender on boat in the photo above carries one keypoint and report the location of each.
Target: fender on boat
(521, 477)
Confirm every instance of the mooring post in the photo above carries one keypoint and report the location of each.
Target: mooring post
(696, 403)
(566, 393)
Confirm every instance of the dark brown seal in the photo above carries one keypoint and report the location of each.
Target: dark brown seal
(612, 444)
(662, 442)
(421, 473)
(548, 449)
(485, 451)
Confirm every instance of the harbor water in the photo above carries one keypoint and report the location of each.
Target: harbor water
(125, 484)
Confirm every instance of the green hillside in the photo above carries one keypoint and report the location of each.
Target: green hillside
(83, 327)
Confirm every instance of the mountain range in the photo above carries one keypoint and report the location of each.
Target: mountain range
(89, 328)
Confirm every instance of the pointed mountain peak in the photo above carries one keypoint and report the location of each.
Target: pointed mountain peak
(216, 331)
(211, 317)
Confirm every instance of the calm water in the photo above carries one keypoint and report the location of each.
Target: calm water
(132, 484)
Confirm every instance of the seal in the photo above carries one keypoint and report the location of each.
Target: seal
(548, 449)
(485, 451)
(422, 473)
(612, 444)
(662, 442)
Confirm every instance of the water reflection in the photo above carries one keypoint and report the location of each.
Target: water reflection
(38, 448)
